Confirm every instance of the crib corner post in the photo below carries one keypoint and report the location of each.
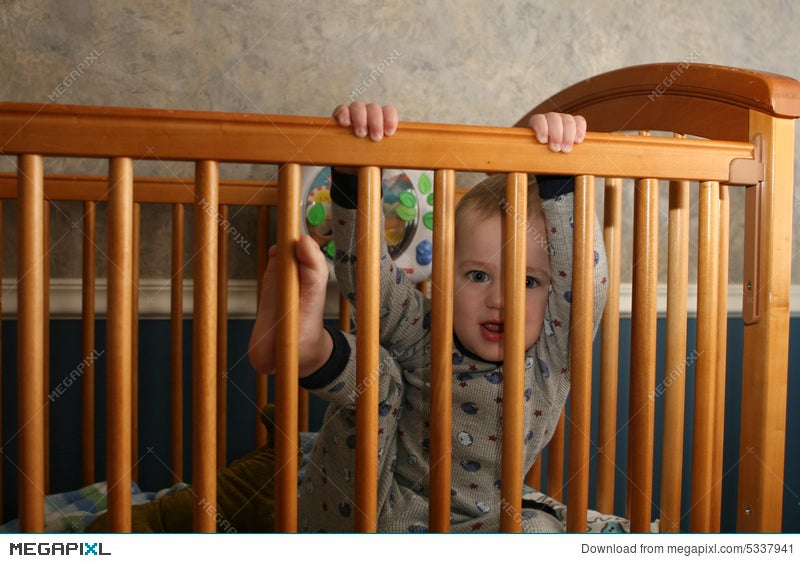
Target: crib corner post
(766, 341)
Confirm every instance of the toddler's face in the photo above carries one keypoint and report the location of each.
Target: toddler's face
(478, 307)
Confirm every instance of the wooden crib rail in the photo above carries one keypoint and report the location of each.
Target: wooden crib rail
(78, 131)
(73, 187)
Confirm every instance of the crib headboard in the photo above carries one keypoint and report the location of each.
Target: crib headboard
(716, 102)
(746, 123)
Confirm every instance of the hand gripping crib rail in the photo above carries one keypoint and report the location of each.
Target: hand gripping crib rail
(745, 119)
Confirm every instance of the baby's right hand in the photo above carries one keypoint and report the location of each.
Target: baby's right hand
(367, 119)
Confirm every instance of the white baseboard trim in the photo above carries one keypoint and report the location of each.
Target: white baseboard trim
(154, 299)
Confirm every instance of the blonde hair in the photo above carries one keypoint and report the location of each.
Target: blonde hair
(489, 198)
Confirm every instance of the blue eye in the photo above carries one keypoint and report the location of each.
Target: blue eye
(478, 276)
(531, 282)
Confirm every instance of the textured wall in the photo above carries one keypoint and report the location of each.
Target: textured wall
(449, 61)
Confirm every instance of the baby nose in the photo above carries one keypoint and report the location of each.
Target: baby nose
(495, 297)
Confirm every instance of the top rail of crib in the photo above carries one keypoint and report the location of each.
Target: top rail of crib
(704, 100)
(155, 134)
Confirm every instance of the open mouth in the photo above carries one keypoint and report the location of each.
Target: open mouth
(493, 331)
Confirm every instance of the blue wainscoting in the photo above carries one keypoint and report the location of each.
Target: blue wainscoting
(153, 456)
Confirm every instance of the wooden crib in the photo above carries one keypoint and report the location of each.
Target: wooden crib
(733, 128)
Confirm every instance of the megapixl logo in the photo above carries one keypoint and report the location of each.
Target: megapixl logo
(57, 548)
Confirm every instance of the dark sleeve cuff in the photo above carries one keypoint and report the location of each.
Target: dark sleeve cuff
(553, 186)
(344, 189)
(335, 365)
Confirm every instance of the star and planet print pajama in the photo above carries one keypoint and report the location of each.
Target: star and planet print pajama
(327, 491)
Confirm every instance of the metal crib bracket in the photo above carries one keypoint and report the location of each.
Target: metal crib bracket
(751, 308)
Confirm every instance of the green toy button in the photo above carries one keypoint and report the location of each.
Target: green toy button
(406, 213)
(427, 220)
(408, 199)
(316, 215)
(424, 184)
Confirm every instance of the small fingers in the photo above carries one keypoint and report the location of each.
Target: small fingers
(341, 114)
(555, 126)
(538, 123)
(375, 122)
(390, 120)
(559, 130)
(310, 255)
(580, 128)
(358, 118)
(367, 119)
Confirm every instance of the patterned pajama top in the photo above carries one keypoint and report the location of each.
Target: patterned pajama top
(327, 492)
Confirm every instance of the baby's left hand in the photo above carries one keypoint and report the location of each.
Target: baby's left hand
(367, 119)
(559, 130)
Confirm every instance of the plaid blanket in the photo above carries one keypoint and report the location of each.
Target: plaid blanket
(596, 522)
(72, 511)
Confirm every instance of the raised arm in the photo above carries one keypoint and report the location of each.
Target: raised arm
(553, 346)
(315, 343)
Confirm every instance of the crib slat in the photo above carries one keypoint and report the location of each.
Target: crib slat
(286, 364)
(88, 342)
(345, 311)
(555, 460)
(514, 256)
(581, 360)
(46, 342)
(261, 266)
(442, 350)
(641, 417)
(204, 362)
(176, 344)
(721, 360)
(137, 223)
(706, 371)
(222, 337)
(534, 477)
(368, 323)
(30, 348)
(120, 297)
(609, 357)
(2, 518)
(302, 411)
(674, 384)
